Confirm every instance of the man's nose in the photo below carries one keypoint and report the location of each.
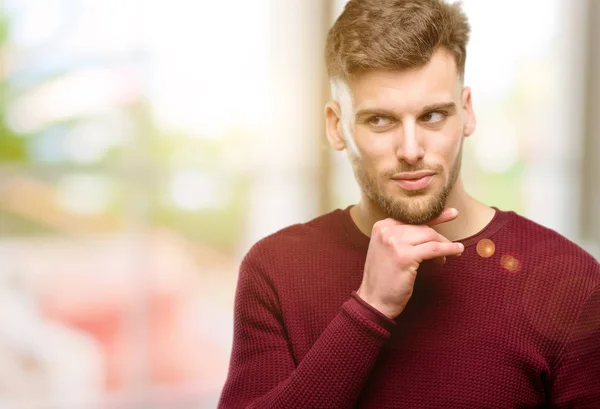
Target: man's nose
(410, 147)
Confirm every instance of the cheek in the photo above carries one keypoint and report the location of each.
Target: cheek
(447, 144)
(376, 149)
(368, 168)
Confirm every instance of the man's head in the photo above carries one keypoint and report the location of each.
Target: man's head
(396, 69)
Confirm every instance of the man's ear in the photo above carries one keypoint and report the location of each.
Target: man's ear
(333, 125)
(467, 105)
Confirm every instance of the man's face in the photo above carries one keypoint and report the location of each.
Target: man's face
(402, 122)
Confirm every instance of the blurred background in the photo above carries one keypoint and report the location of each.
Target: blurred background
(145, 145)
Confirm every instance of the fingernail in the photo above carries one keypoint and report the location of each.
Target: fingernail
(461, 246)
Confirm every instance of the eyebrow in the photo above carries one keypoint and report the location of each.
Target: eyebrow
(449, 107)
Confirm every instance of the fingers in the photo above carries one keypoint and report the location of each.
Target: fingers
(425, 241)
(382, 226)
(415, 234)
(434, 249)
(447, 215)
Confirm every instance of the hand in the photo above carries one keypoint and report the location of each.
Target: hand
(395, 253)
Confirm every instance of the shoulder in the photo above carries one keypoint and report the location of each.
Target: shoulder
(304, 234)
(544, 247)
(296, 241)
(544, 239)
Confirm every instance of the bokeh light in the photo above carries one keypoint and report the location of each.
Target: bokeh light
(510, 263)
(486, 248)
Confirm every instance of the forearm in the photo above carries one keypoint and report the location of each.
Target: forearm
(336, 368)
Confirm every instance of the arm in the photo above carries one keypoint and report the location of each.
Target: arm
(262, 371)
(576, 382)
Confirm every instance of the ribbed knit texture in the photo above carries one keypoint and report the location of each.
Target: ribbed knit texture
(517, 329)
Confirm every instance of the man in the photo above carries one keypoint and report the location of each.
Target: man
(371, 306)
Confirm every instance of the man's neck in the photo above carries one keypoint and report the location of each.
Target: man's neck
(472, 217)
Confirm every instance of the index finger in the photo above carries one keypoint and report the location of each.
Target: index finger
(448, 214)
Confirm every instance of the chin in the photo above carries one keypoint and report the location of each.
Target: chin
(414, 210)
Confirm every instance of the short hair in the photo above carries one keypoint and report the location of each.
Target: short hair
(394, 35)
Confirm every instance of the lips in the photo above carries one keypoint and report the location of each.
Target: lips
(414, 181)
(413, 175)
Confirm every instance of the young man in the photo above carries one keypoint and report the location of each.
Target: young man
(371, 306)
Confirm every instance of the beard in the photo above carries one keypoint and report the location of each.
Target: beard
(414, 207)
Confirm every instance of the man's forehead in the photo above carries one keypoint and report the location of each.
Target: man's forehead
(437, 81)
(399, 105)
(409, 96)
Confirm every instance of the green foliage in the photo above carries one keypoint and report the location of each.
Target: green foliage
(12, 146)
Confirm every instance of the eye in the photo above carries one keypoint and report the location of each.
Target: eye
(379, 121)
(434, 117)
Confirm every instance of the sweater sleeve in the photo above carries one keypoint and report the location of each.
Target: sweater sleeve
(262, 371)
(577, 380)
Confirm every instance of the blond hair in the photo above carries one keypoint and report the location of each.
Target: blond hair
(394, 34)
